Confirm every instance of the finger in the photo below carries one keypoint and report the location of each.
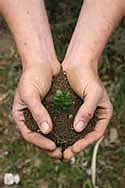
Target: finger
(83, 143)
(104, 116)
(29, 136)
(35, 138)
(87, 110)
(55, 154)
(68, 153)
(39, 114)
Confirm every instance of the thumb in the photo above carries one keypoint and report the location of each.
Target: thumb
(40, 114)
(86, 111)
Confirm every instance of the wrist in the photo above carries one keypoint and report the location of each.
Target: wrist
(85, 62)
(50, 65)
(32, 63)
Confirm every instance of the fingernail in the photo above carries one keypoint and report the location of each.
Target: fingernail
(79, 126)
(44, 127)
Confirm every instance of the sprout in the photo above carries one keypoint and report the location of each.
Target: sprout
(62, 100)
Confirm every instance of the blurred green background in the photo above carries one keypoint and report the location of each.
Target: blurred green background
(35, 168)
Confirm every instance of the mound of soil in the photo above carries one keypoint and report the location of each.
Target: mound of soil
(63, 133)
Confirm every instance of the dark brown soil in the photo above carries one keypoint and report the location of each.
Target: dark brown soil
(63, 133)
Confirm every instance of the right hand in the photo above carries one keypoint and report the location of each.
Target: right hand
(84, 80)
(34, 84)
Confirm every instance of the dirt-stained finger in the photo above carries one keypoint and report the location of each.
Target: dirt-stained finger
(32, 137)
(103, 115)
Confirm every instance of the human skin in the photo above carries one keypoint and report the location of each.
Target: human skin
(29, 24)
(96, 22)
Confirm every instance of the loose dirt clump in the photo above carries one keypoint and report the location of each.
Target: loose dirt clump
(62, 113)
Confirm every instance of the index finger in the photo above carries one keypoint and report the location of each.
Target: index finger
(103, 115)
(32, 137)
(81, 144)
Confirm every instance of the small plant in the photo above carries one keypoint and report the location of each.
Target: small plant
(62, 100)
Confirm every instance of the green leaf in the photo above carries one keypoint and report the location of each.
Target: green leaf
(62, 100)
(67, 104)
(59, 93)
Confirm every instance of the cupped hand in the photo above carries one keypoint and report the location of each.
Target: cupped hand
(34, 84)
(85, 81)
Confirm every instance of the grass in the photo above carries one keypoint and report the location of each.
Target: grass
(33, 165)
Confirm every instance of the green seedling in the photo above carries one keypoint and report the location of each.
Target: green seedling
(62, 101)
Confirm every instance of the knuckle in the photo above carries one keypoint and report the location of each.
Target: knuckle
(110, 110)
(24, 133)
(14, 114)
(20, 131)
(25, 136)
(99, 135)
(37, 116)
(26, 96)
(87, 116)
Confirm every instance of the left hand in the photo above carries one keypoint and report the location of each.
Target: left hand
(34, 84)
(84, 80)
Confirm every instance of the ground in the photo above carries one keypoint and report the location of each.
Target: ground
(62, 103)
(35, 168)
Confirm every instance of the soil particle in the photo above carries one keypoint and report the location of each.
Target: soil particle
(63, 133)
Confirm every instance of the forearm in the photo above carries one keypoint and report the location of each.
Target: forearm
(28, 22)
(95, 24)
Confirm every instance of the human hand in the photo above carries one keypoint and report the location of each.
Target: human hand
(85, 81)
(34, 84)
